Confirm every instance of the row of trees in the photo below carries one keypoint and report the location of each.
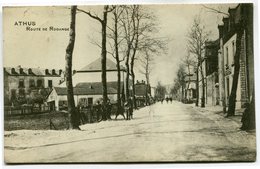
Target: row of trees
(130, 35)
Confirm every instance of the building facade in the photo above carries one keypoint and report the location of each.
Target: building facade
(88, 80)
(211, 73)
(227, 52)
(21, 83)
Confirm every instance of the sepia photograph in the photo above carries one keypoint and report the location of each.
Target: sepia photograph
(129, 83)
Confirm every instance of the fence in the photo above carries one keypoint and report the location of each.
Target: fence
(25, 109)
(27, 117)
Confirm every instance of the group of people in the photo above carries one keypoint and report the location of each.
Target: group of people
(167, 99)
(99, 111)
(126, 108)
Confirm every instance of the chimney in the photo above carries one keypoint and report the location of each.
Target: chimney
(13, 71)
(74, 71)
(47, 72)
(60, 71)
(220, 31)
(29, 71)
(21, 70)
(226, 25)
(53, 72)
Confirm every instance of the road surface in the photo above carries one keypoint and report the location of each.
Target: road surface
(162, 132)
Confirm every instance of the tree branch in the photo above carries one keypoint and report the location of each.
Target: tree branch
(92, 16)
(215, 10)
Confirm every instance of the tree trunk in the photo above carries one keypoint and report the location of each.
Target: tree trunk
(103, 63)
(232, 97)
(203, 87)
(133, 81)
(73, 113)
(127, 72)
(117, 64)
(197, 86)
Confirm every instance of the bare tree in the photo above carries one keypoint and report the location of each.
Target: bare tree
(146, 68)
(128, 23)
(74, 114)
(160, 91)
(197, 36)
(103, 22)
(115, 49)
(142, 36)
(189, 62)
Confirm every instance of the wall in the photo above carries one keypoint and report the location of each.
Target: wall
(229, 52)
(212, 92)
(56, 98)
(55, 81)
(12, 82)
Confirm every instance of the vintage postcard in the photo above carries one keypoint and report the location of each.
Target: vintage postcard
(129, 83)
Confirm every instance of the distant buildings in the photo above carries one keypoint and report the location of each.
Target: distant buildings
(190, 92)
(20, 83)
(88, 87)
(211, 73)
(85, 94)
(142, 93)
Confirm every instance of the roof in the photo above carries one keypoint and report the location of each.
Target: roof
(96, 66)
(99, 85)
(86, 89)
(22, 71)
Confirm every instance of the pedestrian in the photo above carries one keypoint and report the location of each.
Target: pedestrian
(98, 108)
(131, 108)
(126, 106)
(109, 108)
(162, 101)
(171, 99)
(120, 111)
(167, 99)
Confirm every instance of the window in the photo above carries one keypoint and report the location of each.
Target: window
(39, 83)
(233, 50)
(90, 101)
(21, 83)
(227, 87)
(31, 83)
(50, 83)
(82, 101)
(13, 94)
(227, 56)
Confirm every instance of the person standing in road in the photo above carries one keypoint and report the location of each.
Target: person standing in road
(109, 108)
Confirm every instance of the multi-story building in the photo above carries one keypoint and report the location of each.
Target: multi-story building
(243, 13)
(20, 83)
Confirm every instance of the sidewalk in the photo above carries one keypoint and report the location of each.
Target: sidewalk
(230, 126)
(218, 110)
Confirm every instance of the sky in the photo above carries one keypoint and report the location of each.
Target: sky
(46, 49)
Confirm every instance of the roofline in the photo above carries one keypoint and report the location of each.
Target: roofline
(54, 88)
(84, 94)
(110, 70)
(34, 75)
